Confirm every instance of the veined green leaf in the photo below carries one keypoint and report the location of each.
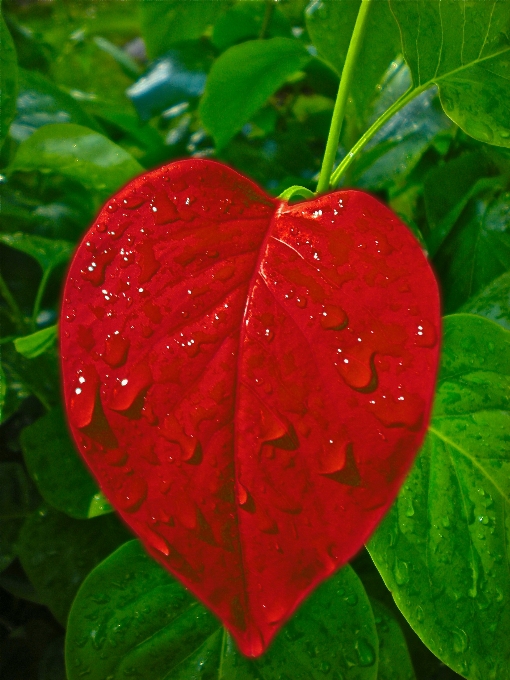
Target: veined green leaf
(31, 346)
(443, 548)
(493, 302)
(78, 153)
(394, 660)
(49, 253)
(242, 79)
(477, 250)
(464, 48)
(448, 188)
(131, 617)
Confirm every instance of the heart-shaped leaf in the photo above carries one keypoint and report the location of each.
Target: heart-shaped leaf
(248, 380)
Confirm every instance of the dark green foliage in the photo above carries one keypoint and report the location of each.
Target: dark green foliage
(85, 107)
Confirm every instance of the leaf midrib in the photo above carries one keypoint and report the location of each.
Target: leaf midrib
(471, 458)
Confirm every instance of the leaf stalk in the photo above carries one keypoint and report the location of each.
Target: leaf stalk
(341, 99)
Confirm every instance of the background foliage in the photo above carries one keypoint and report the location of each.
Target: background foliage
(93, 93)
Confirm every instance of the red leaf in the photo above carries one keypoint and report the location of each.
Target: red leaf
(248, 381)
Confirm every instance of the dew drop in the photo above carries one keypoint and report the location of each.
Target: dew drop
(401, 572)
(460, 640)
(116, 350)
(83, 397)
(132, 494)
(333, 318)
(366, 654)
(425, 335)
(127, 389)
(301, 301)
(148, 263)
(358, 374)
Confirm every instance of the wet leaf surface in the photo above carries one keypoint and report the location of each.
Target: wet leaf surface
(248, 380)
(464, 49)
(131, 618)
(443, 555)
(78, 153)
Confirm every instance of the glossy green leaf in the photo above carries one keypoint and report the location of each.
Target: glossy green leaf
(330, 24)
(49, 253)
(40, 102)
(395, 150)
(464, 48)
(477, 250)
(171, 21)
(38, 376)
(31, 346)
(8, 79)
(448, 188)
(99, 505)
(78, 153)
(16, 499)
(242, 79)
(394, 660)
(132, 619)
(493, 302)
(443, 548)
(58, 552)
(51, 457)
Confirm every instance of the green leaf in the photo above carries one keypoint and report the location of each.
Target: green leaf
(394, 660)
(395, 150)
(38, 376)
(464, 48)
(330, 24)
(31, 346)
(242, 79)
(477, 250)
(8, 79)
(493, 302)
(16, 499)
(40, 102)
(58, 552)
(78, 153)
(244, 21)
(132, 619)
(51, 458)
(49, 253)
(172, 21)
(99, 505)
(443, 548)
(448, 188)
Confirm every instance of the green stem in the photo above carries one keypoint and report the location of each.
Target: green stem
(39, 297)
(268, 14)
(341, 99)
(14, 310)
(377, 125)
